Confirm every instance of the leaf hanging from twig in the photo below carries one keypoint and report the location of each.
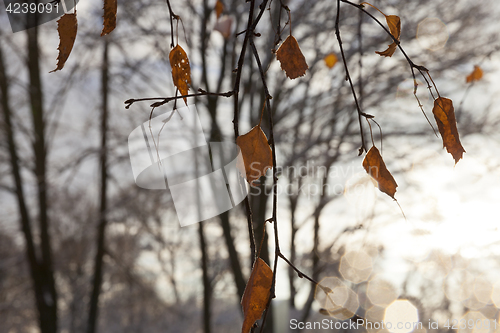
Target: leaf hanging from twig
(444, 113)
(257, 155)
(109, 22)
(375, 167)
(181, 71)
(256, 295)
(394, 23)
(67, 27)
(291, 58)
(476, 74)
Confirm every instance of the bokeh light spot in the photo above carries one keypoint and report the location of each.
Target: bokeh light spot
(381, 292)
(475, 322)
(356, 266)
(459, 285)
(336, 299)
(401, 317)
(432, 34)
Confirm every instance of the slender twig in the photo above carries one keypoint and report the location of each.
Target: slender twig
(172, 18)
(236, 117)
(348, 76)
(165, 100)
(299, 272)
(412, 65)
(268, 98)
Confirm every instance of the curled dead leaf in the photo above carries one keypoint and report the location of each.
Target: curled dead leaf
(476, 74)
(257, 155)
(256, 295)
(291, 58)
(181, 71)
(389, 51)
(67, 27)
(394, 23)
(219, 8)
(109, 22)
(330, 60)
(444, 113)
(375, 167)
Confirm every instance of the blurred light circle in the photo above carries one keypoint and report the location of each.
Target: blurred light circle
(475, 322)
(356, 266)
(401, 317)
(459, 285)
(381, 292)
(495, 295)
(432, 34)
(336, 299)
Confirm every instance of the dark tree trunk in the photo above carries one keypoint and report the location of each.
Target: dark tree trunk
(101, 229)
(207, 287)
(46, 294)
(25, 220)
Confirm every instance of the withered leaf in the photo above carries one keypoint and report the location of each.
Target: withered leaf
(181, 71)
(444, 113)
(256, 295)
(330, 60)
(389, 51)
(257, 155)
(67, 27)
(476, 74)
(375, 167)
(394, 23)
(219, 8)
(291, 58)
(109, 22)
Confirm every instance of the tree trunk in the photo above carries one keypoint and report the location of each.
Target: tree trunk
(207, 288)
(47, 322)
(101, 229)
(46, 293)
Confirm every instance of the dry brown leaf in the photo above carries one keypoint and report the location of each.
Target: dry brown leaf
(476, 74)
(394, 23)
(109, 22)
(375, 167)
(67, 27)
(256, 295)
(291, 58)
(330, 60)
(181, 71)
(389, 51)
(257, 155)
(444, 113)
(219, 8)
